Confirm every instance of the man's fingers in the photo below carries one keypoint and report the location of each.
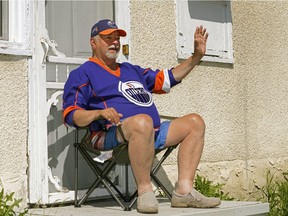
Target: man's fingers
(108, 113)
(201, 28)
(112, 115)
(206, 36)
(203, 31)
(196, 31)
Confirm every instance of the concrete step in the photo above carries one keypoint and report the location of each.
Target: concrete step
(110, 208)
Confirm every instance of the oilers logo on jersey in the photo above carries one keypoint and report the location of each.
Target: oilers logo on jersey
(135, 93)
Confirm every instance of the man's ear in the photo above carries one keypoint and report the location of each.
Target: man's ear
(92, 42)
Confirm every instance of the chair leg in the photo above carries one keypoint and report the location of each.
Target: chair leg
(126, 183)
(75, 176)
(76, 204)
(154, 177)
(159, 183)
(133, 200)
(101, 175)
(101, 178)
(155, 169)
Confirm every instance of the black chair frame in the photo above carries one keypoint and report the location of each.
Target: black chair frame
(127, 201)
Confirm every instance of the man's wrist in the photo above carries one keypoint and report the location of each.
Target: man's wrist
(196, 58)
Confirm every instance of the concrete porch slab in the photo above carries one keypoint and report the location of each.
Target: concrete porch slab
(110, 208)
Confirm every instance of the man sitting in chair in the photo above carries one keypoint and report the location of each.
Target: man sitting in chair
(110, 97)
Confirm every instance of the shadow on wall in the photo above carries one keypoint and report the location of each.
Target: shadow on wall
(61, 156)
(61, 153)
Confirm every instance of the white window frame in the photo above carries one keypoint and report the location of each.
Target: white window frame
(19, 26)
(211, 55)
(4, 20)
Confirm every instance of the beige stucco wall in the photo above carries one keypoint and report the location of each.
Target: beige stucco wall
(244, 105)
(14, 125)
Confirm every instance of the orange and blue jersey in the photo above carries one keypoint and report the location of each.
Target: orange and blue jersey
(93, 86)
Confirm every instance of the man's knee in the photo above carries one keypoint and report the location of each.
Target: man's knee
(196, 122)
(142, 123)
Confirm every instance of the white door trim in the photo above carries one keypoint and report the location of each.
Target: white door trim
(37, 142)
(122, 19)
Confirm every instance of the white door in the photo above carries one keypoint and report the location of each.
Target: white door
(69, 24)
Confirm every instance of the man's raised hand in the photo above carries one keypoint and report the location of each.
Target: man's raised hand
(200, 39)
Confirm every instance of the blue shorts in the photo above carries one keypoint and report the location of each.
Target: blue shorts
(160, 137)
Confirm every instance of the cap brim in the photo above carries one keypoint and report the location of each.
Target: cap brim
(122, 33)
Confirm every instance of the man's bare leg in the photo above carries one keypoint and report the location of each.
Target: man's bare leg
(139, 131)
(189, 130)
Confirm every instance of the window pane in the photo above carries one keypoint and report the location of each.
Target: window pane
(69, 23)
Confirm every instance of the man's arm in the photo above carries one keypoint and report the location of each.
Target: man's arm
(183, 69)
(83, 118)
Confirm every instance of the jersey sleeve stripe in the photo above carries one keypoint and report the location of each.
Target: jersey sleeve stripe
(162, 82)
(166, 84)
(70, 109)
(77, 92)
(146, 70)
(104, 102)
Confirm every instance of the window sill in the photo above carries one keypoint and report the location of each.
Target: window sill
(10, 48)
(183, 56)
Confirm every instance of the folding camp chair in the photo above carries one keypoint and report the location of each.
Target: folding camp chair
(119, 156)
